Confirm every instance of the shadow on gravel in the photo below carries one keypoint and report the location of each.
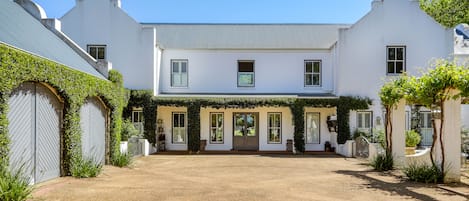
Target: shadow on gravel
(401, 187)
(300, 156)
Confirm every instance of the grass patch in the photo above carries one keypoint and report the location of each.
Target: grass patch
(122, 160)
(85, 168)
(424, 173)
(383, 162)
(14, 186)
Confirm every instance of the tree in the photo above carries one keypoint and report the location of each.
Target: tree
(448, 13)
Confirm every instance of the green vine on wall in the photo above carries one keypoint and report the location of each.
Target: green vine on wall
(343, 104)
(73, 86)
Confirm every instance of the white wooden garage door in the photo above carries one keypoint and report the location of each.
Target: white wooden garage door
(35, 122)
(93, 125)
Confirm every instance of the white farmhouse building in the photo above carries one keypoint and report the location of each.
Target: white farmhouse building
(309, 61)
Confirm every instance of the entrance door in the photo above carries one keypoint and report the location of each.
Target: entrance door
(245, 132)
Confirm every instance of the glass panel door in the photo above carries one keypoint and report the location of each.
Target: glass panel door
(245, 131)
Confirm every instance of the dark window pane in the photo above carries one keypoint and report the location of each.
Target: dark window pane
(391, 67)
(399, 67)
(101, 53)
(181, 120)
(214, 120)
(391, 53)
(245, 66)
(308, 79)
(316, 67)
(183, 67)
(309, 67)
(93, 52)
(175, 120)
(400, 53)
(175, 67)
(316, 79)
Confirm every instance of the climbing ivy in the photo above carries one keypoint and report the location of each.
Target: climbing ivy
(343, 104)
(73, 86)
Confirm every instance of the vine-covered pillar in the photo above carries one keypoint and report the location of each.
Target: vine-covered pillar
(398, 133)
(298, 110)
(193, 123)
(451, 117)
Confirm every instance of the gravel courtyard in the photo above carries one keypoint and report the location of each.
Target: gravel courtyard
(241, 177)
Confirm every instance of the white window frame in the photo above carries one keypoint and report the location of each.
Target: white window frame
(183, 76)
(271, 128)
(89, 47)
(396, 60)
(139, 114)
(174, 129)
(312, 73)
(217, 127)
(308, 130)
(252, 74)
(361, 117)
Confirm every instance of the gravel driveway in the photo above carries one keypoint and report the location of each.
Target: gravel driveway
(241, 177)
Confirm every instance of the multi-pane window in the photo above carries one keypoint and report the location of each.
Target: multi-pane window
(274, 127)
(97, 51)
(364, 121)
(216, 128)
(395, 59)
(312, 128)
(179, 73)
(246, 73)
(312, 73)
(179, 128)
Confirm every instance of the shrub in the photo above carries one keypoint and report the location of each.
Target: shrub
(383, 162)
(412, 138)
(122, 160)
(424, 173)
(128, 130)
(14, 186)
(85, 168)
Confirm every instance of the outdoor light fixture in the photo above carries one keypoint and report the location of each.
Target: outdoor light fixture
(332, 124)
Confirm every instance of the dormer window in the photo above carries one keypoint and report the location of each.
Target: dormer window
(97, 51)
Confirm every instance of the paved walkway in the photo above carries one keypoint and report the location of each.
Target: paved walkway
(242, 177)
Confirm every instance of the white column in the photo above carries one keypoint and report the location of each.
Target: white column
(452, 138)
(398, 134)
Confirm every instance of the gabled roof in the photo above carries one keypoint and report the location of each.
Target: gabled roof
(21, 30)
(247, 36)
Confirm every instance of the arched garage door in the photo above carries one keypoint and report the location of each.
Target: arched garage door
(35, 122)
(93, 126)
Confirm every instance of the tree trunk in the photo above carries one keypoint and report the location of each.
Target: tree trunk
(433, 142)
(441, 137)
(388, 130)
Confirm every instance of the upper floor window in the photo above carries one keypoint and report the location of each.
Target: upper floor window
(245, 73)
(395, 59)
(312, 73)
(179, 73)
(97, 51)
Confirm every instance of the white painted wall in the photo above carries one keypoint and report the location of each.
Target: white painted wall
(215, 71)
(362, 48)
(130, 47)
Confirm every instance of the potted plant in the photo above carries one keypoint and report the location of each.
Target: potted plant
(412, 139)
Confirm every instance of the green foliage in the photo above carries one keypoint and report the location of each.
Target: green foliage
(73, 86)
(448, 13)
(383, 162)
(424, 173)
(122, 160)
(150, 104)
(128, 130)
(380, 138)
(412, 138)
(14, 186)
(85, 167)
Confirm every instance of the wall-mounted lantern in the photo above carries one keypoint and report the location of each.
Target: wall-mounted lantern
(332, 124)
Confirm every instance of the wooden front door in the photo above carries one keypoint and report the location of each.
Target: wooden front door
(245, 131)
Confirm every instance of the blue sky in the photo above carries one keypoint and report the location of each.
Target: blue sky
(231, 11)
